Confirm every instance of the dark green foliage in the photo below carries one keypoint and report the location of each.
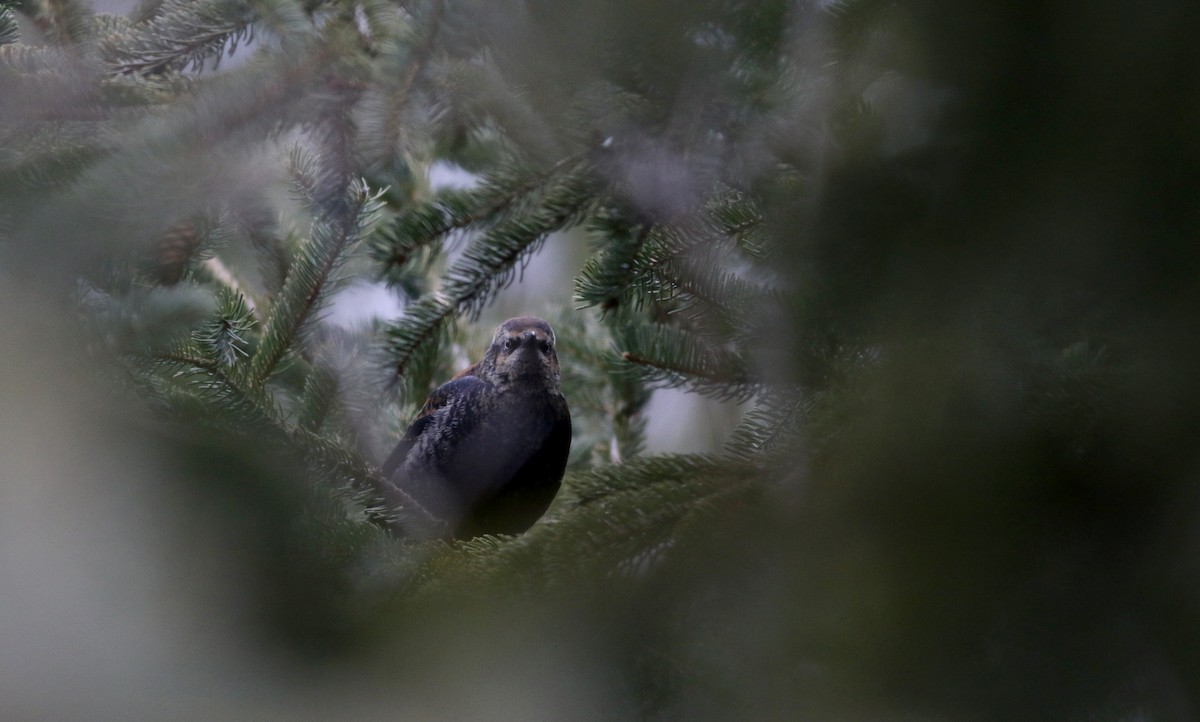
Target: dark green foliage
(10, 32)
(606, 404)
(938, 261)
(320, 392)
(771, 427)
(619, 521)
(669, 357)
(491, 262)
(312, 276)
(181, 35)
(223, 336)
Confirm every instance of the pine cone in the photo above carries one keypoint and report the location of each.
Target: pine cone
(174, 251)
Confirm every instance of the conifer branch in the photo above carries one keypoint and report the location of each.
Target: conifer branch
(10, 30)
(320, 391)
(209, 383)
(146, 10)
(736, 218)
(252, 411)
(384, 504)
(306, 288)
(184, 34)
(771, 426)
(43, 165)
(668, 357)
(605, 405)
(624, 519)
(634, 268)
(186, 359)
(20, 59)
(416, 58)
(606, 278)
(714, 294)
(500, 196)
(391, 117)
(224, 335)
(852, 23)
(489, 265)
(595, 485)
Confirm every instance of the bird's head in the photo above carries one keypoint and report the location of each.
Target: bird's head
(522, 349)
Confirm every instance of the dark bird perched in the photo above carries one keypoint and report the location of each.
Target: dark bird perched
(486, 453)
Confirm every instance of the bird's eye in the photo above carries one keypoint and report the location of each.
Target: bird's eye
(509, 344)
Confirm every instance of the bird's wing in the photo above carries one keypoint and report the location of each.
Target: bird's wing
(457, 387)
(521, 443)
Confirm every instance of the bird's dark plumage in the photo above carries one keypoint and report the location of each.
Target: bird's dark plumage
(487, 451)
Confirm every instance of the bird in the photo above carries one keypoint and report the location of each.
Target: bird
(487, 451)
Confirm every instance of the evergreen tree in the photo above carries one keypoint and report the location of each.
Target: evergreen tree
(958, 321)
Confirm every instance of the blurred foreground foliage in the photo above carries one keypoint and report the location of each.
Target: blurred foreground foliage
(944, 255)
